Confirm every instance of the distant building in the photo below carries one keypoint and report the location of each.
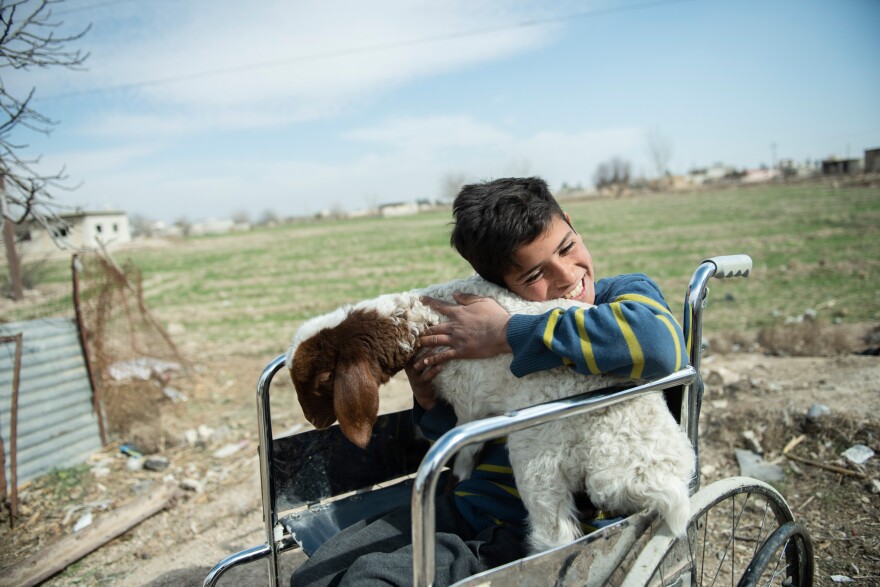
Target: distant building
(214, 226)
(81, 230)
(798, 170)
(835, 166)
(872, 160)
(398, 209)
(760, 175)
(714, 174)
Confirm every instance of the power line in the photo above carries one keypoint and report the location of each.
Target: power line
(362, 50)
(71, 10)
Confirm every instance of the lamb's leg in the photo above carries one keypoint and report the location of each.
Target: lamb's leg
(645, 463)
(465, 461)
(547, 497)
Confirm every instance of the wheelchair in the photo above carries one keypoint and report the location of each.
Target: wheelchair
(741, 530)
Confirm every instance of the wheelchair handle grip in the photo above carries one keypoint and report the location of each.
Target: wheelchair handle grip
(731, 266)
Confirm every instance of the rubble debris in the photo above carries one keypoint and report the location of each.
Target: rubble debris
(752, 440)
(857, 454)
(193, 485)
(144, 368)
(83, 521)
(58, 556)
(230, 449)
(156, 463)
(130, 450)
(753, 465)
(817, 411)
(175, 395)
(134, 464)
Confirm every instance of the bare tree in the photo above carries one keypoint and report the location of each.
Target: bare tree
(451, 184)
(241, 217)
(184, 225)
(28, 40)
(269, 218)
(140, 225)
(660, 150)
(614, 175)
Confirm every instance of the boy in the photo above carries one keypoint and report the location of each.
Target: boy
(513, 232)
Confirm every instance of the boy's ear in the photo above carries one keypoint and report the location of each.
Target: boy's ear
(568, 219)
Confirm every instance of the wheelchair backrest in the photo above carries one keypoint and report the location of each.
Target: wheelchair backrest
(318, 464)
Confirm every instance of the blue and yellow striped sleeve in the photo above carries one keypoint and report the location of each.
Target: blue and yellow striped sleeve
(630, 332)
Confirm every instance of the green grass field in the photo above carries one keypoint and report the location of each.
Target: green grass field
(813, 247)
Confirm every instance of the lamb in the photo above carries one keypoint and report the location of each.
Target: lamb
(628, 457)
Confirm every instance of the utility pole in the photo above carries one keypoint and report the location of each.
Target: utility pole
(12, 259)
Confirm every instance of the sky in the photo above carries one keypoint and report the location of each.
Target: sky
(193, 109)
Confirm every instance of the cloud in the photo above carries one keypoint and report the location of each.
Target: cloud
(400, 159)
(428, 133)
(278, 62)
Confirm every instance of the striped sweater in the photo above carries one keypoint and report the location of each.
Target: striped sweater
(629, 332)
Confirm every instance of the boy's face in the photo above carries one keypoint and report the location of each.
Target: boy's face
(555, 265)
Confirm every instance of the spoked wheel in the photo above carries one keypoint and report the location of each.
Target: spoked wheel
(786, 558)
(734, 523)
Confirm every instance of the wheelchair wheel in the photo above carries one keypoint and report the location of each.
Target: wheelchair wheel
(787, 555)
(740, 531)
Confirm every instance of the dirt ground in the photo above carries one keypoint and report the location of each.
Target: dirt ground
(759, 384)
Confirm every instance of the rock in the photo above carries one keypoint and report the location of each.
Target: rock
(841, 579)
(174, 395)
(753, 465)
(156, 463)
(193, 485)
(100, 471)
(143, 368)
(875, 486)
(205, 433)
(752, 440)
(142, 487)
(230, 449)
(817, 411)
(83, 521)
(857, 454)
(191, 437)
(722, 375)
(134, 464)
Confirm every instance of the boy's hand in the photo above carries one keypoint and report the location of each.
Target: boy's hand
(477, 329)
(420, 376)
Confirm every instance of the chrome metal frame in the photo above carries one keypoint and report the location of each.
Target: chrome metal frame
(275, 541)
(424, 517)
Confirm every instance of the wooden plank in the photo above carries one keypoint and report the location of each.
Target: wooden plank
(57, 557)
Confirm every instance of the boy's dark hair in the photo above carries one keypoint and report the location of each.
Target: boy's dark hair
(491, 220)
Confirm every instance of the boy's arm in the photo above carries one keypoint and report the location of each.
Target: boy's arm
(630, 332)
(435, 422)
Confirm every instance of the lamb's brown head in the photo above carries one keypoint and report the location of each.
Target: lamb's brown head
(338, 370)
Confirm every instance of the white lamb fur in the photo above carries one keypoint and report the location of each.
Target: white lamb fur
(628, 457)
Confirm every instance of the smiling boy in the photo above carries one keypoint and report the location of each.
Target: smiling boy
(514, 234)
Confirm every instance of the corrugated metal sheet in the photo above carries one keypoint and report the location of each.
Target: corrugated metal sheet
(56, 424)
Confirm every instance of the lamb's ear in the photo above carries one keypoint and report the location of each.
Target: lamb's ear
(356, 401)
